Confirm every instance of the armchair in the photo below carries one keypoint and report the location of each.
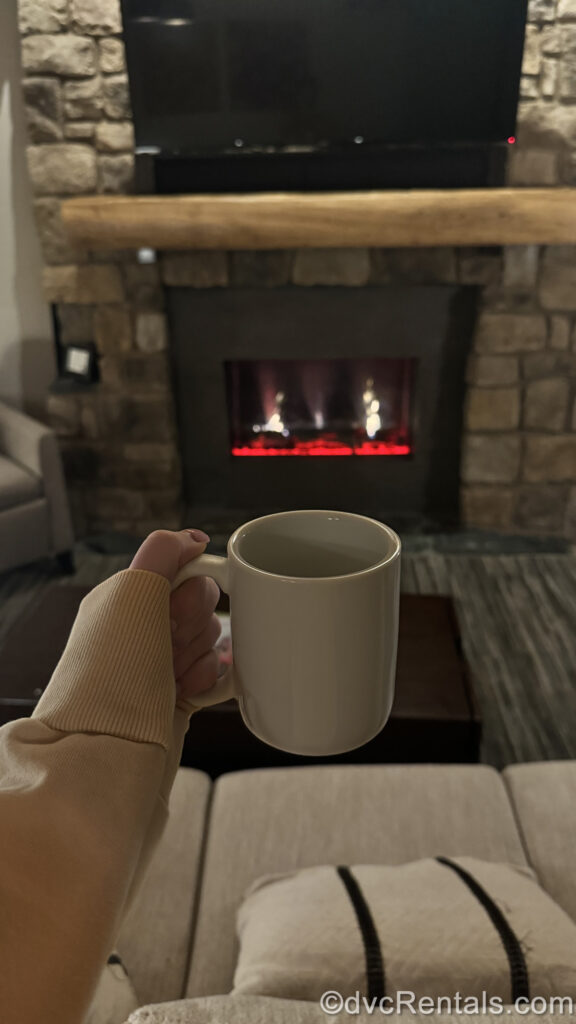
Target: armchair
(34, 514)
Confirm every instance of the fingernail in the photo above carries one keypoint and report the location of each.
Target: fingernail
(173, 625)
(199, 535)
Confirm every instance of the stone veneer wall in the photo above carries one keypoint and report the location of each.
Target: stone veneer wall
(119, 439)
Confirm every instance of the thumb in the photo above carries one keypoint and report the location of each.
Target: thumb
(165, 552)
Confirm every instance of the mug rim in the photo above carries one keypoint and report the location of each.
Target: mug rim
(391, 535)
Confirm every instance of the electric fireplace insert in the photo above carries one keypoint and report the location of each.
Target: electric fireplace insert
(314, 407)
(323, 397)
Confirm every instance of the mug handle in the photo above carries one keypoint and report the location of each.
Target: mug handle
(217, 568)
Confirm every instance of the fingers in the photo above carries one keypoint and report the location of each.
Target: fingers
(196, 631)
(199, 677)
(165, 552)
(195, 627)
(185, 659)
(191, 606)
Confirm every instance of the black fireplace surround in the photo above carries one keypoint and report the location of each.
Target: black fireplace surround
(428, 329)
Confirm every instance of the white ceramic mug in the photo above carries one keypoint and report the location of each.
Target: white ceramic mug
(314, 619)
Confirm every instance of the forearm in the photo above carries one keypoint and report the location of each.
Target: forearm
(83, 792)
(75, 809)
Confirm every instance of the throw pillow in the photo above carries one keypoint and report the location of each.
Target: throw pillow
(434, 927)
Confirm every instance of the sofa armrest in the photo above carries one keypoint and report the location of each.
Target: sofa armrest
(154, 941)
(35, 446)
(56, 494)
(21, 438)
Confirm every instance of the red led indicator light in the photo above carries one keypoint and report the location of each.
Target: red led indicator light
(511, 139)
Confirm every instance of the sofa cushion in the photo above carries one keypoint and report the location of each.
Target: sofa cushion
(262, 1010)
(17, 485)
(433, 927)
(544, 798)
(278, 820)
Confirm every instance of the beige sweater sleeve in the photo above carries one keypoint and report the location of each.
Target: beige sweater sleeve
(84, 786)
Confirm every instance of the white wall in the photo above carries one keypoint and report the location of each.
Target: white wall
(26, 351)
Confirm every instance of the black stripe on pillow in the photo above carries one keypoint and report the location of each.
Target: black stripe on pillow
(519, 980)
(375, 978)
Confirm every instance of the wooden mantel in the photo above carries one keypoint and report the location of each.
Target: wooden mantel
(324, 220)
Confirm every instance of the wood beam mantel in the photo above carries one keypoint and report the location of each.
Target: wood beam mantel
(324, 220)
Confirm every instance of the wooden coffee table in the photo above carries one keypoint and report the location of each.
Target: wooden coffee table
(434, 719)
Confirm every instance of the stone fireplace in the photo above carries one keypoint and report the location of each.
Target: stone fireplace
(121, 440)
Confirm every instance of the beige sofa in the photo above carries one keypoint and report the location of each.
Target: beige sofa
(179, 939)
(34, 514)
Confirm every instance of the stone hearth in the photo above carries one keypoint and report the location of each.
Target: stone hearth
(120, 439)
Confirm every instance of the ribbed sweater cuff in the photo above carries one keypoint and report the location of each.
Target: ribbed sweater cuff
(115, 676)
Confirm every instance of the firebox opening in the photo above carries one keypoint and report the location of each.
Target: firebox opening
(317, 407)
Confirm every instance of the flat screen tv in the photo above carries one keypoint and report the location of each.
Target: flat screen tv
(215, 76)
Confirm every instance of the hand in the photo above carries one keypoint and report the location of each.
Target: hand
(195, 628)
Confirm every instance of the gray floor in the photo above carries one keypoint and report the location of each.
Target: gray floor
(517, 614)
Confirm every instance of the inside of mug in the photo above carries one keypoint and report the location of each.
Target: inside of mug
(313, 544)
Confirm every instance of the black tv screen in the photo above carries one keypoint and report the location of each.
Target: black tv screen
(209, 76)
